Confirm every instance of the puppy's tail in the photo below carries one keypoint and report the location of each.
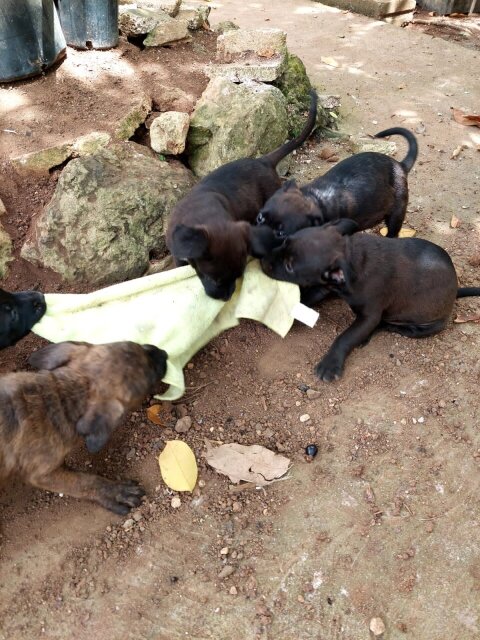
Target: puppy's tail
(274, 157)
(409, 160)
(465, 292)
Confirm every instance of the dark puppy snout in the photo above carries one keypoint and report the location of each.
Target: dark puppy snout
(32, 302)
(158, 357)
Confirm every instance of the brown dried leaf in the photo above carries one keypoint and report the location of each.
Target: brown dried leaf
(473, 317)
(154, 414)
(404, 232)
(468, 119)
(455, 222)
(253, 463)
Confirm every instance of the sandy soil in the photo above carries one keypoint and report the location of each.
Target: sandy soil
(384, 522)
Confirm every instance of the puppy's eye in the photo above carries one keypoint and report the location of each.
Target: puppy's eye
(280, 233)
(260, 218)
(326, 275)
(288, 266)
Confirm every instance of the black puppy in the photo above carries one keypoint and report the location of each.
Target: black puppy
(210, 228)
(368, 187)
(18, 313)
(404, 285)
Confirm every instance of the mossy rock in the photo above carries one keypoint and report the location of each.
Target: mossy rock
(295, 85)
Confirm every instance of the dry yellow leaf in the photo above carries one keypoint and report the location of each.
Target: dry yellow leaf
(330, 61)
(405, 232)
(178, 466)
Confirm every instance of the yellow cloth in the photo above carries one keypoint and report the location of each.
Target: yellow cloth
(169, 310)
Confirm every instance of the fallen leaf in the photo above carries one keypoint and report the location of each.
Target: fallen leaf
(458, 151)
(405, 232)
(331, 62)
(154, 414)
(253, 463)
(454, 222)
(468, 119)
(473, 317)
(178, 466)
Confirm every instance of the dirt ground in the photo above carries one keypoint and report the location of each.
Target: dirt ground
(385, 521)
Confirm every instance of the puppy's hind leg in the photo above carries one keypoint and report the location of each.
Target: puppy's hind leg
(417, 330)
(118, 497)
(395, 217)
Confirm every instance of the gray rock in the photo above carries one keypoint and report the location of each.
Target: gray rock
(168, 132)
(90, 143)
(233, 121)
(134, 118)
(5, 246)
(263, 42)
(183, 424)
(196, 16)
(360, 145)
(43, 160)
(251, 67)
(108, 212)
(166, 30)
(224, 26)
(169, 6)
(137, 22)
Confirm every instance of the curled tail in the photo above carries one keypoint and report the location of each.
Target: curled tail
(465, 292)
(409, 160)
(274, 157)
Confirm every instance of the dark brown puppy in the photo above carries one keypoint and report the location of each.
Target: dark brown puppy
(210, 227)
(85, 391)
(404, 285)
(368, 188)
(18, 313)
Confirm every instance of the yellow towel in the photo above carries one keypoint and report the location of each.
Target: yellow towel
(169, 310)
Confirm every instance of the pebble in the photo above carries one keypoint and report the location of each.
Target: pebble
(233, 591)
(236, 507)
(130, 454)
(128, 524)
(226, 571)
(304, 418)
(137, 516)
(201, 483)
(377, 626)
(311, 450)
(176, 502)
(183, 424)
(313, 394)
(224, 551)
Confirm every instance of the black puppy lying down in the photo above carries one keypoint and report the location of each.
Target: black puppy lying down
(404, 285)
(18, 313)
(367, 187)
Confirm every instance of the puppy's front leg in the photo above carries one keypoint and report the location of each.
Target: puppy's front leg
(331, 366)
(313, 295)
(118, 497)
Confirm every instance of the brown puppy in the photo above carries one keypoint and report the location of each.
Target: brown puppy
(367, 187)
(210, 227)
(86, 391)
(404, 285)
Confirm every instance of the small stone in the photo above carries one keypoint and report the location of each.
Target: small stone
(377, 626)
(196, 17)
(168, 132)
(312, 394)
(429, 527)
(236, 507)
(442, 404)
(167, 30)
(226, 25)
(136, 22)
(233, 591)
(224, 551)
(183, 424)
(137, 516)
(226, 571)
(134, 118)
(128, 524)
(130, 454)
(201, 483)
(268, 433)
(176, 502)
(304, 418)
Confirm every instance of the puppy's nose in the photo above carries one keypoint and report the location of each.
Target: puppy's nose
(260, 218)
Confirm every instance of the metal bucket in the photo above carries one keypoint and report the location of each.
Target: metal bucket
(89, 23)
(31, 39)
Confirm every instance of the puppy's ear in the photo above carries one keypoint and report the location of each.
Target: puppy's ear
(345, 226)
(262, 241)
(289, 184)
(98, 423)
(56, 355)
(190, 243)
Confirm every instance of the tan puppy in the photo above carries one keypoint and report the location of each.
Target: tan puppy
(85, 391)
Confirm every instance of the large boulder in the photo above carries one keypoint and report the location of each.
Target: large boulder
(233, 121)
(108, 212)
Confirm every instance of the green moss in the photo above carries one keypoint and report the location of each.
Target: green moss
(5, 252)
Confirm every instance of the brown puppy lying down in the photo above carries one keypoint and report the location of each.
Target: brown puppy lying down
(405, 285)
(85, 391)
(367, 187)
(210, 227)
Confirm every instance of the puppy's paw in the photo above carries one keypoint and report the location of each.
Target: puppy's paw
(120, 497)
(329, 369)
